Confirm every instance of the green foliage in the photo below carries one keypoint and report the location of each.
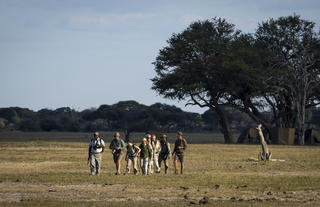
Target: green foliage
(10, 114)
(192, 63)
(49, 125)
(211, 64)
(294, 67)
(293, 59)
(195, 66)
(124, 116)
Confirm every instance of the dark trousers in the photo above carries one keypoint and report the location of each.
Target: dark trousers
(163, 158)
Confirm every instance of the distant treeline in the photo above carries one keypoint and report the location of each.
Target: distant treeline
(126, 116)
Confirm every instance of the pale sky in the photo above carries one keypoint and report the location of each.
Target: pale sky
(84, 53)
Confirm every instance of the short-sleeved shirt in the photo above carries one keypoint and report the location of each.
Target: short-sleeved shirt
(117, 143)
(132, 151)
(96, 145)
(182, 143)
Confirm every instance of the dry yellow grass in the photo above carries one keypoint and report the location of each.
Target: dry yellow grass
(56, 174)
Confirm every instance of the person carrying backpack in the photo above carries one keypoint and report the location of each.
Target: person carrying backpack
(132, 157)
(96, 148)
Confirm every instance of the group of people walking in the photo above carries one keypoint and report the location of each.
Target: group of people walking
(148, 155)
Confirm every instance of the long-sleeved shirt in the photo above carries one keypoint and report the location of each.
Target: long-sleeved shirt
(145, 151)
(156, 147)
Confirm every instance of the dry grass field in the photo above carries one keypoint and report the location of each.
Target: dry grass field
(55, 173)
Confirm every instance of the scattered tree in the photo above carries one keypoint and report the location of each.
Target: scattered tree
(192, 68)
(294, 67)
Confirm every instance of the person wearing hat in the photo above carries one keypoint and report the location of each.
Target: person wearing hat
(117, 147)
(145, 156)
(165, 153)
(179, 147)
(132, 157)
(96, 148)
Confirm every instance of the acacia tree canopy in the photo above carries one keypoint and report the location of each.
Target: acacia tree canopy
(192, 67)
(294, 59)
(211, 64)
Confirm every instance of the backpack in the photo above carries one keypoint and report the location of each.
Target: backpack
(133, 152)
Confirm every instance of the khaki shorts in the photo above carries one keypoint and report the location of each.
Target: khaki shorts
(178, 156)
(117, 156)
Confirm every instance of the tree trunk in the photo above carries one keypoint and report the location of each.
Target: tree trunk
(301, 114)
(228, 138)
(265, 154)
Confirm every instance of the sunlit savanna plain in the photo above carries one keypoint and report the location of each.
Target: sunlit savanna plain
(53, 171)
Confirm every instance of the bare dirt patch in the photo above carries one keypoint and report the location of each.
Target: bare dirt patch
(17, 192)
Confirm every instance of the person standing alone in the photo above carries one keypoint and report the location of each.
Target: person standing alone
(178, 152)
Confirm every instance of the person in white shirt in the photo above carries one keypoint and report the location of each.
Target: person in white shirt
(155, 148)
(96, 148)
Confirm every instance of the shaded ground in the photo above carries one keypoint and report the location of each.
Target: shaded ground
(16, 136)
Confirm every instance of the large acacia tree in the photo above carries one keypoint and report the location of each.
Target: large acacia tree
(212, 65)
(192, 67)
(293, 65)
